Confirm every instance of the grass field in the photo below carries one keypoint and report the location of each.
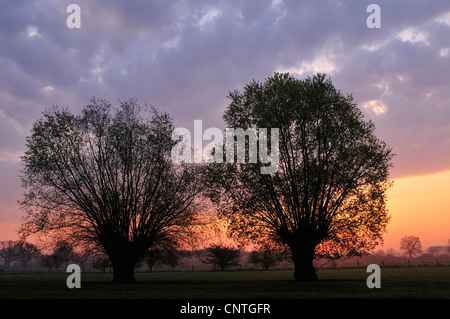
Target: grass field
(405, 282)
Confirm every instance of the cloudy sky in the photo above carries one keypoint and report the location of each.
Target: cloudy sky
(184, 57)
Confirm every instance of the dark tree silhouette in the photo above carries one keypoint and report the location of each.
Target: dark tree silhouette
(171, 257)
(26, 252)
(267, 257)
(221, 256)
(105, 177)
(101, 262)
(152, 256)
(411, 245)
(9, 252)
(50, 261)
(332, 175)
(62, 253)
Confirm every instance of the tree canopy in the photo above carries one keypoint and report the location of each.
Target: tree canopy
(329, 191)
(222, 256)
(411, 245)
(105, 178)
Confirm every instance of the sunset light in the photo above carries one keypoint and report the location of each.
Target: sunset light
(417, 205)
(225, 149)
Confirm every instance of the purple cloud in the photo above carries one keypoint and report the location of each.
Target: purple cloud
(184, 56)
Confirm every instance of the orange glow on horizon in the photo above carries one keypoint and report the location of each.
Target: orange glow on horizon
(418, 207)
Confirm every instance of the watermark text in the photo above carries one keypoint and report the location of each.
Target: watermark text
(250, 145)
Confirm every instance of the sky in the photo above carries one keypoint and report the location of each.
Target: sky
(184, 56)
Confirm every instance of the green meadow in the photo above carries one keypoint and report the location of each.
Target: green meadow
(396, 283)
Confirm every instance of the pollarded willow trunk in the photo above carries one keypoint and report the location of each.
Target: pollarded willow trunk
(123, 266)
(123, 259)
(303, 257)
(123, 271)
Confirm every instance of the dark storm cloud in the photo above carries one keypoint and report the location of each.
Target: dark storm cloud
(185, 56)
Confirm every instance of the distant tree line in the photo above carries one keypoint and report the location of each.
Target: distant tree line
(23, 255)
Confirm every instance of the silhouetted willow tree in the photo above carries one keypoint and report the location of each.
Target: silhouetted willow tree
(329, 190)
(106, 177)
(222, 256)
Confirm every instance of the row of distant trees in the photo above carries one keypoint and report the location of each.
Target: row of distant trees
(411, 246)
(20, 254)
(16, 254)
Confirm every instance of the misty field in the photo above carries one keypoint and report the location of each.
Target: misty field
(404, 282)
